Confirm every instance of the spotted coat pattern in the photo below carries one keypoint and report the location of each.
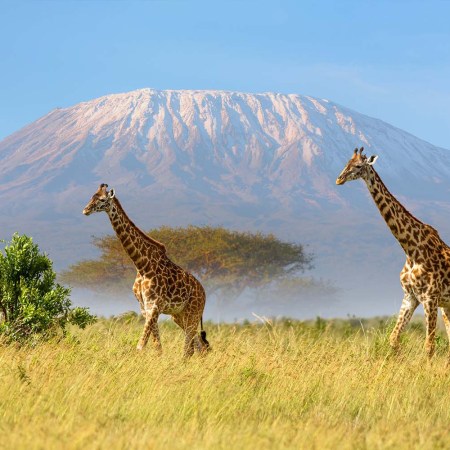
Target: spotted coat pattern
(161, 287)
(425, 277)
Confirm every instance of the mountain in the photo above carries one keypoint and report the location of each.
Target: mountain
(247, 161)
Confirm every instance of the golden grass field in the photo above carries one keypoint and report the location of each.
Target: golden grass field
(315, 385)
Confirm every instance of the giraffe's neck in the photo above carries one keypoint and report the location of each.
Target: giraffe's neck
(140, 248)
(407, 229)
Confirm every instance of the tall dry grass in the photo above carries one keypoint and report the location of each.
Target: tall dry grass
(287, 385)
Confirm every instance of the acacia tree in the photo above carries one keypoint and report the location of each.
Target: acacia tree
(225, 261)
(31, 302)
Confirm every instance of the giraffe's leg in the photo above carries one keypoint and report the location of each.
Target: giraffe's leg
(430, 307)
(189, 321)
(409, 304)
(446, 317)
(189, 341)
(138, 292)
(197, 304)
(150, 327)
(190, 334)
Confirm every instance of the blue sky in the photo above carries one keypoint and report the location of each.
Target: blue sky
(387, 59)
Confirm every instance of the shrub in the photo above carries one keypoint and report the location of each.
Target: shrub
(32, 304)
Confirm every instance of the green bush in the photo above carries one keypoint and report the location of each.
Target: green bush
(32, 304)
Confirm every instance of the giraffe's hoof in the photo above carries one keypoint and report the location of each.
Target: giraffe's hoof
(394, 343)
(158, 349)
(139, 347)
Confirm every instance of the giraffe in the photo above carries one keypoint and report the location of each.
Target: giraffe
(161, 287)
(425, 277)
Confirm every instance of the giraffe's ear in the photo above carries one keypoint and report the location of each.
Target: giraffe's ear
(111, 193)
(371, 161)
(102, 188)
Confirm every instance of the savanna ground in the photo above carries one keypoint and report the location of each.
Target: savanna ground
(319, 384)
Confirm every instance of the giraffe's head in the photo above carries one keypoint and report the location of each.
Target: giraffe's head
(356, 167)
(100, 201)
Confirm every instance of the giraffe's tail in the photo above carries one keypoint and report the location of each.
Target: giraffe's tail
(203, 336)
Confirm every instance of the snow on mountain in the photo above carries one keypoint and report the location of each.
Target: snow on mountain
(248, 161)
(231, 143)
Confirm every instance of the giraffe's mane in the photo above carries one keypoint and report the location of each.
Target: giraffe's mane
(397, 201)
(429, 228)
(143, 235)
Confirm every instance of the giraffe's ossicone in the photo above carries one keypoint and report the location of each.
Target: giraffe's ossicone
(425, 277)
(161, 287)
